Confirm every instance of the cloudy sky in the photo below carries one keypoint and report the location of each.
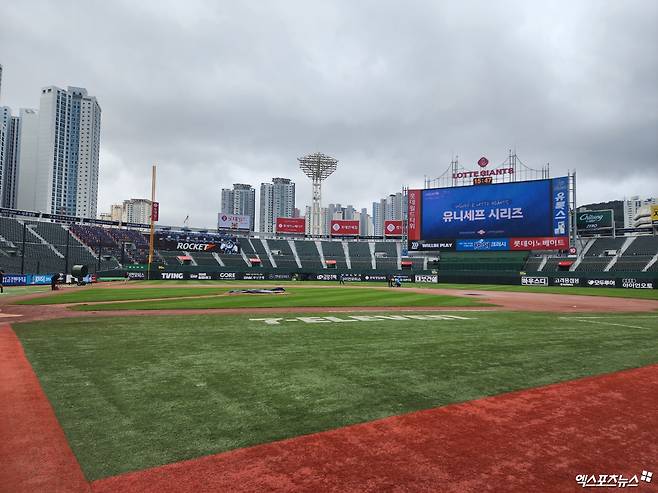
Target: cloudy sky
(218, 92)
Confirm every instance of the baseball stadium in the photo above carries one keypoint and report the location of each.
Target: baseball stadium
(492, 340)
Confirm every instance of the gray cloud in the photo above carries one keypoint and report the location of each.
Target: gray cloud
(223, 92)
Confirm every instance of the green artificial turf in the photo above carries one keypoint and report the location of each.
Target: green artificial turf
(92, 294)
(299, 297)
(138, 392)
(646, 294)
(10, 291)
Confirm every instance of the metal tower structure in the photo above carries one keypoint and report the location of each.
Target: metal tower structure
(317, 167)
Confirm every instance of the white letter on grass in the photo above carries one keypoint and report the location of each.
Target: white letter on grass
(268, 321)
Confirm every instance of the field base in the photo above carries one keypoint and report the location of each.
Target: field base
(533, 440)
(537, 439)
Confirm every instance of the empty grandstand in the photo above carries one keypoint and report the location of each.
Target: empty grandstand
(32, 245)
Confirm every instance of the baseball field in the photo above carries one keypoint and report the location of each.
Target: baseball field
(187, 387)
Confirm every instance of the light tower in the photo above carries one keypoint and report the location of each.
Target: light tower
(317, 167)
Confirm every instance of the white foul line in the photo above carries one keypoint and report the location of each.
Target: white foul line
(603, 323)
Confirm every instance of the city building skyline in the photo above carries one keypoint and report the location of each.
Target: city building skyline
(59, 149)
(631, 207)
(240, 200)
(277, 199)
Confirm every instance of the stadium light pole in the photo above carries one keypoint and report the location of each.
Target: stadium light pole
(317, 167)
(152, 234)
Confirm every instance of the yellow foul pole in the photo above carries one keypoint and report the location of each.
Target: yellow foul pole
(152, 235)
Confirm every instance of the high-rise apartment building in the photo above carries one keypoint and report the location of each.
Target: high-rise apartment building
(9, 178)
(240, 200)
(631, 207)
(365, 223)
(137, 211)
(9, 139)
(277, 199)
(59, 151)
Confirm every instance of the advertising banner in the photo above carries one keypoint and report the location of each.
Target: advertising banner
(224, 276)
(225, 246)
(654, 213)
(428, 245)
(393, 228)
(26, 279)
(413, 214)
(538, 208)
(482, 245)
(636, 283)
(487, 211)
(344, 227)
(430, 278)
(101, 222)
(560, 193)
(136, 225)
(534, 281)
(253, 276)
(565, 281)
(279, 277)
(545, 243)
(600, 283)
(595, 220)
(374, 277)
(325, 277)
(293, 225)
(155, 211)
(233, 221)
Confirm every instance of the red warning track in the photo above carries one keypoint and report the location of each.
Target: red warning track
(534, 440)
(34, 453)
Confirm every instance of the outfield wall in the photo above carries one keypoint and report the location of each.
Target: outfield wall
(631, 280)
(168, 275)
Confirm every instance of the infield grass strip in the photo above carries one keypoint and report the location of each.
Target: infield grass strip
(643, 294)
(89, 294)
(300, 297)
(137, 392)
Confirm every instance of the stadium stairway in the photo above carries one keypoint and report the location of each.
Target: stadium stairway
(293, 249)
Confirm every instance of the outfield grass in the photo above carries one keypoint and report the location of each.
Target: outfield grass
(646, 294)
(650, 294)
(296, 297)
(91, 294)
(137, 392)
(11, 291)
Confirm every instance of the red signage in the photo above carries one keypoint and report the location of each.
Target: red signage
(482, 162)
(155, 211)
(413, 207)
(540, 243)
(392, 228)
(295, 225)
(341, 227)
